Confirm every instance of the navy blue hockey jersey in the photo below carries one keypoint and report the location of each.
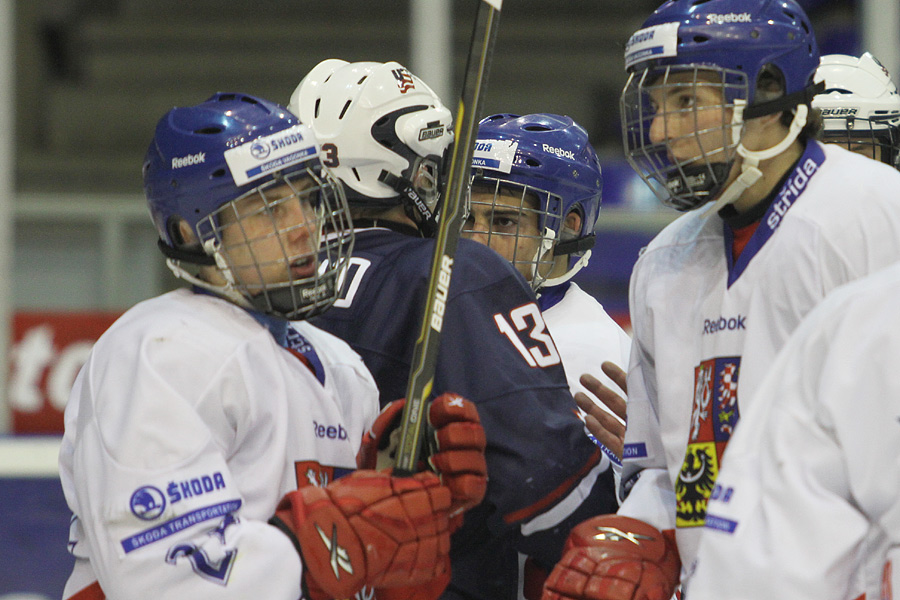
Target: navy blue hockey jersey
(495, 351)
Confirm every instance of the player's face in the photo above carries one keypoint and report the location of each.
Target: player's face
(689, 116)
(507, 222)
(271, 236)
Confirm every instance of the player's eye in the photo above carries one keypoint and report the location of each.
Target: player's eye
(684, 101)
(505, 223)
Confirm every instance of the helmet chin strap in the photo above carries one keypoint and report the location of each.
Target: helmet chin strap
(750, 172)
(547, 247)
(573, 270)
(227, 291)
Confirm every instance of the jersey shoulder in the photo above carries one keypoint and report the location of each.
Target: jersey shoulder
(409, 259)
(579, 320)
(200, 321)
(845, 185)
(479, 266)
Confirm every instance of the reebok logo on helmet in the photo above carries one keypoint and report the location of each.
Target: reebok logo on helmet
(190, 159)
(717, 19)
(558, 151)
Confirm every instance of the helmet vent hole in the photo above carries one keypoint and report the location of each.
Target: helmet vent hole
(344, 110)
(249, 100)
(217, 173)
(699, 2)
(364, 77)
(208, 130)
(701, 38)
(316, 111)
(532, 162)
(536, 128)
(754, 34)
(356, 174)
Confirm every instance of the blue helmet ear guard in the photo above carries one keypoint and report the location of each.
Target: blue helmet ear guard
(235, 160)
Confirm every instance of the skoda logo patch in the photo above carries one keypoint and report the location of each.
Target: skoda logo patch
(147, 503)
(260, 150)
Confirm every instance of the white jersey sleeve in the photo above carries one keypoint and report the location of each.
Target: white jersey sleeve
(808, 493)
(184, 429)
(586, 336)
(646, 486)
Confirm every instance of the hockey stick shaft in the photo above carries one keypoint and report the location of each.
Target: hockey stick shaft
(456, 183)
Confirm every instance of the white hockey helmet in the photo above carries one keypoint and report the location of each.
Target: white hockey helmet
(860, 105)
(383, 132)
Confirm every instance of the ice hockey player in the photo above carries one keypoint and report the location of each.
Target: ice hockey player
(716, 118)
(206, 452)
(385, 133)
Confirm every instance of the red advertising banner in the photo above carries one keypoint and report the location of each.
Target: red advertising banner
(48, 349)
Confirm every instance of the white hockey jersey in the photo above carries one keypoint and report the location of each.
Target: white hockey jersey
(586, 336)
(811, 481)
(706, 329)
(185, 427)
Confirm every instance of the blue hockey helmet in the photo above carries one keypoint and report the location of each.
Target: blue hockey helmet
(233, 157)
(548, 159)
(729, 44)
(737, 36)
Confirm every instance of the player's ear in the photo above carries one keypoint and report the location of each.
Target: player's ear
(572, 224)
(181, 233)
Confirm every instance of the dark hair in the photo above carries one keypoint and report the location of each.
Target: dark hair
(770, 85)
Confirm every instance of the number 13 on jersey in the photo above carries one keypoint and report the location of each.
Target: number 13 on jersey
(528, 318)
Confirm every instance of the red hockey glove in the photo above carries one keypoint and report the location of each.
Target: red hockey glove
(460, 444)
(368, 529)
(379, 443)
(612, 557)
(459, 458)
(428, 591)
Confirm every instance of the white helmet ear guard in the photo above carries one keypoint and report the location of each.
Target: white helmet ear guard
(384, 133)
